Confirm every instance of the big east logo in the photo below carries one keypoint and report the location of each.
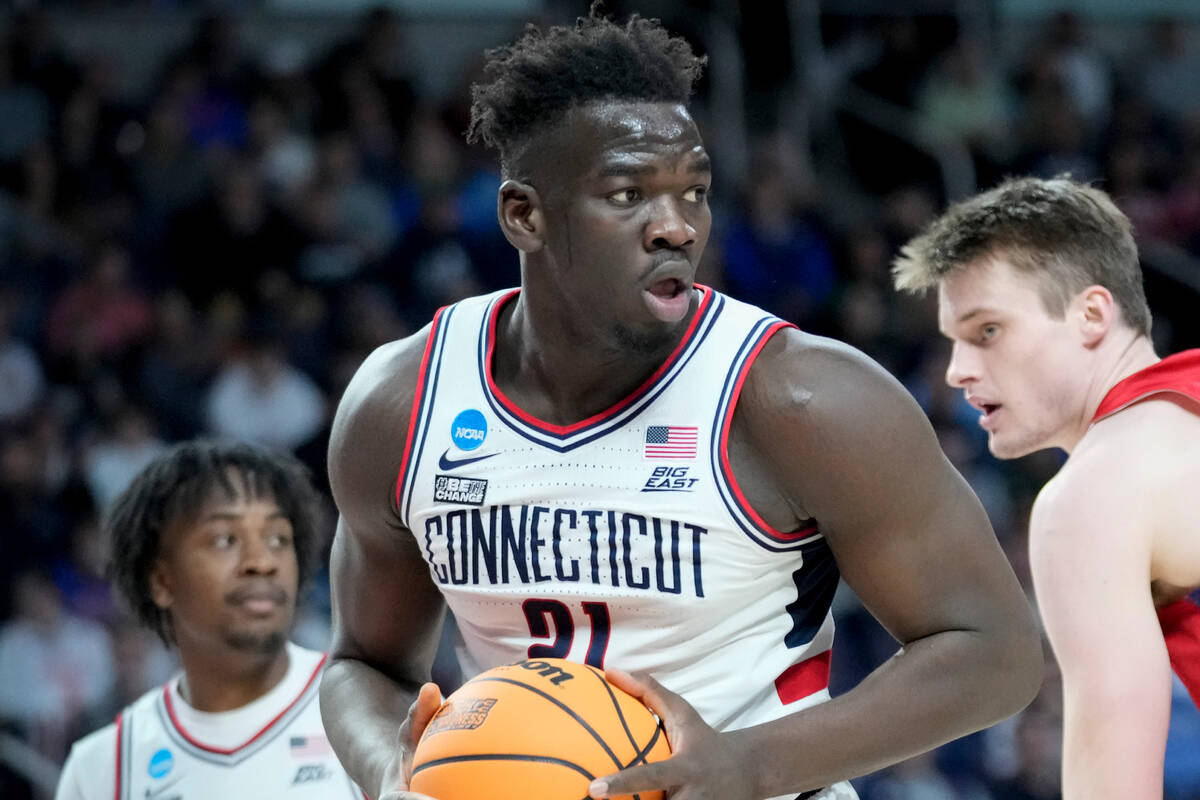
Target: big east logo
(670, 479)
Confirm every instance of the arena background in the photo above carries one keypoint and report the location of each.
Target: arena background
(210, 213)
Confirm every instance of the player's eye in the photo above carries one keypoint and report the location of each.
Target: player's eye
(626, 197)
(696, 194)
(988, 332)
(280, 540)
(223, 539)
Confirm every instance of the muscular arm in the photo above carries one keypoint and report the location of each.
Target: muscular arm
(846, 445)
(387, 613)
(1090, 551)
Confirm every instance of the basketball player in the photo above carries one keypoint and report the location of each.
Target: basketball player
(618, 466)
(1040, 292)
(208, 546)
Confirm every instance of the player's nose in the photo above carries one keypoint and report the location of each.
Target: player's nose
(963, 367)
(668, 226)
(258, 557)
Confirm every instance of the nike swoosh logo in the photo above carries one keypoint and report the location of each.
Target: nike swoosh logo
(449, 464)
(157, 792)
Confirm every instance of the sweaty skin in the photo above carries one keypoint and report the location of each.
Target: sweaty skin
(613, 211)
(1112, 535)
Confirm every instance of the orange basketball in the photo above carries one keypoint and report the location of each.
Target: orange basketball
(539, 729)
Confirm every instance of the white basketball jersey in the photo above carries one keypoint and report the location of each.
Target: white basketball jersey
(621, 540)
(161, 749)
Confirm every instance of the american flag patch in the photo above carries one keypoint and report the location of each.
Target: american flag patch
(670, 441)
(310, 747)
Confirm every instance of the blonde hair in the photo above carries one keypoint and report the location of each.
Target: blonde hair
(1068, 235)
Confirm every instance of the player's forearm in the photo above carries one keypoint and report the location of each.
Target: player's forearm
(934, 690)
(362, 710)
(1114, 736)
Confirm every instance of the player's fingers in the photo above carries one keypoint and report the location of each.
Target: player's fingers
(670, 707)
(428, 701)
(404, 796)
(646, 778)
(426, 704)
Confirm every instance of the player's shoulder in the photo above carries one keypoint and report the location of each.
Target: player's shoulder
(89, 749)
(804, 372)
(390, 367)
(1101, 497)
(89, 770)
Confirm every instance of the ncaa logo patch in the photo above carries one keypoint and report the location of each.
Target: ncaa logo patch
(468, 430)
(160, 763)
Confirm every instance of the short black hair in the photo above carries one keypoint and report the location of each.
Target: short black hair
(532, 84)
(175, 486)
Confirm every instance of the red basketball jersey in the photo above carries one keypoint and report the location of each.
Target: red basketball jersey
(1180, 621)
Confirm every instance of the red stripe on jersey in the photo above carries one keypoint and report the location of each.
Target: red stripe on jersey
(800, 680)
(1180, 623)
(562, 430)
(1179, 373)
(265, 728)
(773, 532)
(416, 404)
(117, 792)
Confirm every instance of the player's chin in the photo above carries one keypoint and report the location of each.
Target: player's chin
(1006, 447)
(260, 639)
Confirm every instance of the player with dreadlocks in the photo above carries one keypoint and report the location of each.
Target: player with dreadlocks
(615, 465)
(209, 546)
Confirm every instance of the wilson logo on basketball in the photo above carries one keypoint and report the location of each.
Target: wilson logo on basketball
(460, 717)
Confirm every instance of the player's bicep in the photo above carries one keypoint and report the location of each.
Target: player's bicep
(909, 535)
(386, 609)
(1090, 566)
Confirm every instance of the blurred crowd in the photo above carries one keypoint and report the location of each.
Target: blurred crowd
(218, 254)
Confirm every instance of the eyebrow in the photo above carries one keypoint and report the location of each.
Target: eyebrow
(975, 312)
(620, 169)
(229, 515)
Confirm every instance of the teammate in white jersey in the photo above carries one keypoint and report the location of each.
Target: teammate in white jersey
(209, 545)
(614, 464)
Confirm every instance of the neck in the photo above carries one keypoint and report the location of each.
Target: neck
(218, 682)
(562, 371)
(1127, 356)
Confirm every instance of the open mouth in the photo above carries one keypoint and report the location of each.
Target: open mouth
(668, 299)
(667, 288)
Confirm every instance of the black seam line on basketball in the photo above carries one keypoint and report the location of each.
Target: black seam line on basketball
(640, 756)
(599, 739)
(438, 762)
(616, 706)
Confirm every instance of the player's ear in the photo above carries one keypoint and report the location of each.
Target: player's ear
(1097, 314)
(160, 586)
(522, 219)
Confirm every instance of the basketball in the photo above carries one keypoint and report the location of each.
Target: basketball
(539, 729)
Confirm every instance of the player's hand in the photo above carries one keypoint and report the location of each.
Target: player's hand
(702, 766)
(395, 779)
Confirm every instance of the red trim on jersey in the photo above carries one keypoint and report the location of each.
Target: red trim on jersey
(225, 752)
(117, 792)
(416, 404)
(1179, 374)
(727, 470)
(562, 430)
(800, 680)
(1180, 623)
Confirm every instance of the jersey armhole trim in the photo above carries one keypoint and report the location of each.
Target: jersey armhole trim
(120, 723)
(765, 527)
(414, 417)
